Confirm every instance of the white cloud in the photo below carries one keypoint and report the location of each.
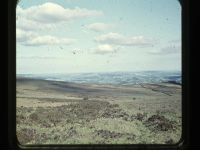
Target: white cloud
(31, 25)
(99, 27)
(48, 40)
(33, 39)
(171, 49)
(118, 39)
(40, 16)
(23, 36)
(105, 49)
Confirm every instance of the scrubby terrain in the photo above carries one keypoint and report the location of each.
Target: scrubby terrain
(52, 112)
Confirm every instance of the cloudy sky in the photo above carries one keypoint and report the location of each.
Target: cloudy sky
(67, 36)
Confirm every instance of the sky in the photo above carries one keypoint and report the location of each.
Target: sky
(74, 36)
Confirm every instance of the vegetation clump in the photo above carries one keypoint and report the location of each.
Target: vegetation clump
(26, 135)
(159, 123)
(140, 116)
(85, 98)
(106, 134)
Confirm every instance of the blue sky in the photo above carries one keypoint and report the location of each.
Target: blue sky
(67, 36)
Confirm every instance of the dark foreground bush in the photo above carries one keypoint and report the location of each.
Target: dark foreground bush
(159, 123)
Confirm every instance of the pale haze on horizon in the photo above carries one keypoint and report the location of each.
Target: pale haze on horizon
(72, 36)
